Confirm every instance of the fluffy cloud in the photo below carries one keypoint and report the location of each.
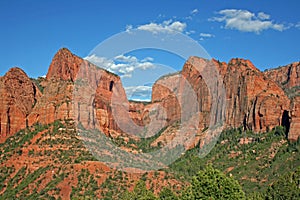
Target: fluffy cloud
(246, 21)
(263, 16)
(122, 65)
(139, 93)
(298, 25)
(128, 59)
(167, 26)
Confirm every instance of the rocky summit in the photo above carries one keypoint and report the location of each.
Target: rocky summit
(18, 97)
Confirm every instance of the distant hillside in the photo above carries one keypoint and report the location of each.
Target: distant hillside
(50, 162)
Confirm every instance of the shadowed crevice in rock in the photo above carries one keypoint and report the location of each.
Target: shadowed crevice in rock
(286, 121)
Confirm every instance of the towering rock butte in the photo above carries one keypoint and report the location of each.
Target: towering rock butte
(288, 77)
(55, 103)
(18, 95)
(66, 74)
(76, 89)
(253, 101)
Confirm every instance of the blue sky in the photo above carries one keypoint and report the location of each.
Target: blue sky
(32, 31)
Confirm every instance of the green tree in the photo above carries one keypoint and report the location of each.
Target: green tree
(256, 196)
(287, 187)
(140, 192)
(167, 194)
(213, 184)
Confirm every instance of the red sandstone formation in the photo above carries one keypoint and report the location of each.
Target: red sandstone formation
(18, 95)
(287, 76)
(294, 131)
(76, 89)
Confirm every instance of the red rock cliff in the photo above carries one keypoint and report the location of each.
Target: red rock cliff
(287, 76)
(253, 100)
(294, 131)
(18, 95)
(67, 74)
(64, 66)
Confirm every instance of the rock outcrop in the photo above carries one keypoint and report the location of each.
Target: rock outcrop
(294, 129)
(18, 95)
(75, 89)
(64, 66)
(254, 101)
(56, 101)
(286, 76)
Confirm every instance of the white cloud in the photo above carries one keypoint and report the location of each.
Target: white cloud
(297, 25)
(122, 65)
(129, 59)
(101, 61)
(128, 27)
(148, 59)
(144, 90)
(145, 65)
(206, 35)
(167, 26)
(195, 11)
(190, 32)
(246, 21)
(139, 93)
(263, 16)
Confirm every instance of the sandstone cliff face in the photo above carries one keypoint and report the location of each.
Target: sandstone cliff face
(56, 101)
(77, 90)
(287, 76)
(294, 131)
(64, 66)
(165, 92)
(254, 101)
(18, 95)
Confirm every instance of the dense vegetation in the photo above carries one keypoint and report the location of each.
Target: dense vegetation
(37, 162)
(255, 164)
(206, 184)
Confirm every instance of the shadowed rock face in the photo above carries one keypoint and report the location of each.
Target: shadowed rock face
(18, 95)
(253, 100)
(288, 78)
